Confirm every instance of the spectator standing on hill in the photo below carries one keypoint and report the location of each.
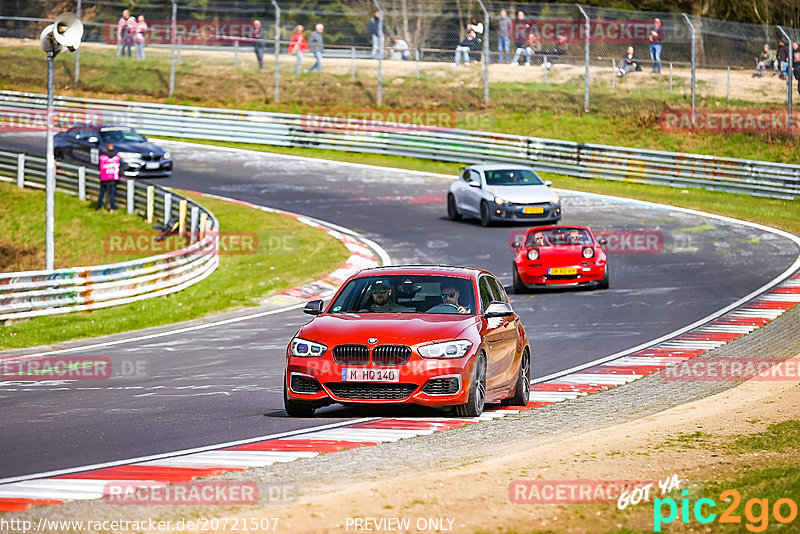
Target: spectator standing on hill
(122, 31)
(796, 68)
(521, 29)
(109, 174)
(782, 63)
(258, 43)
(138, 38)
(656, 35)
(504, 37)
(317, 46)
(374, 27)
(628, 63)
(298, 46)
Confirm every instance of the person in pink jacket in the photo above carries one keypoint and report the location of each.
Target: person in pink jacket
(109, 175)
(298, 45)
(138, 37)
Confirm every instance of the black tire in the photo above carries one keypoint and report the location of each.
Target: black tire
(452, 209)
(519, 287)
(522, 394)
(486, 218)
(58, 153)
(477, 391)
(295, 408)
(604, 282)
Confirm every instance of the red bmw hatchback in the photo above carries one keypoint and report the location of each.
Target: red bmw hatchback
(437, 336)
(560, 256)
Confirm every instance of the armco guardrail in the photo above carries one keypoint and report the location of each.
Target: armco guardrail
(34, 293)
(581, 160)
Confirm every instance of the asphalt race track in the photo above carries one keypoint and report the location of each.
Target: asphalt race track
(224, 383)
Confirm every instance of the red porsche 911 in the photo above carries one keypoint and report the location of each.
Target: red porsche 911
(436, 336)
(560, 256)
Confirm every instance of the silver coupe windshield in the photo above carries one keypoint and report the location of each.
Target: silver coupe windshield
(512, 177)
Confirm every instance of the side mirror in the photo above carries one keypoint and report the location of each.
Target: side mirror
(314, 307)
(498, 309)
(475, 184)
(516, 244)
(548, 183)
(144, 138)
(603, 241)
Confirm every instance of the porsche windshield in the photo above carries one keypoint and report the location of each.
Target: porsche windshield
(406, 294)
(512, 177)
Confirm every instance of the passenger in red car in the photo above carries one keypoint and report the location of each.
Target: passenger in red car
(382, 301)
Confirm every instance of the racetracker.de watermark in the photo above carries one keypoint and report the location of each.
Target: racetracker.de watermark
(617, 241)
(229, 243)
(764, 121)
(379, 120)
(733, 370)
(13, 119)
(573, 491)
(184, 493)
(55, 368)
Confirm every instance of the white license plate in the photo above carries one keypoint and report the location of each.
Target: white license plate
(370, 375)
(151, 165)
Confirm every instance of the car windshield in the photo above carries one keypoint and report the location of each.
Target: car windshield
(119, 135)
(411, 294)
(512, 177)
(558, 236)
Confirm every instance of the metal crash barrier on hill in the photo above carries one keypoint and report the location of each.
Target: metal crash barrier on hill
(35, 293)
(582, 160)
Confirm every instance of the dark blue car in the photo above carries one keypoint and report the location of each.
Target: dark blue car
(140, 158)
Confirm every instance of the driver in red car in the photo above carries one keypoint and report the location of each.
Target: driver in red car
(450, 296)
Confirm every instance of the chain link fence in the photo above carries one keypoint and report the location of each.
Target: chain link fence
(461, 56)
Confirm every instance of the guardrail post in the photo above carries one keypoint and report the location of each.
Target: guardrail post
(203, 223)
(236, 54)
(193, 225)
(151, 202)
(167, 207)
(131, 195)
(588, 34)
(614, 73)
(81, 183)
(182, 205)
(20, 170)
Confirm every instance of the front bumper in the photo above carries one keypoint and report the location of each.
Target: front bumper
(533, 273)
(550, 213)
(429, 382)
(139, 169)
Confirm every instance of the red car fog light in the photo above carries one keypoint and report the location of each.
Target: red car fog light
(533, 254)
(588, 252)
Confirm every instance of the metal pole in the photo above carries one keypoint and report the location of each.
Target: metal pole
(277, 49)
(728, 95)
(485, 53)
(670, 76)
(235, 54)
(172, 55)
(694, 65)
(544, 66)
(380, 53)
(180, 47)
(352, 62)
(416, 60)
(613, 73)
(78, 50)
(50, 183)
(588, 31)
(789, 77)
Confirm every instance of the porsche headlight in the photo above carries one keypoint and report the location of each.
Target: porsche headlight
(446, 349)
(307, 349)
(499, 201)
(533, 254)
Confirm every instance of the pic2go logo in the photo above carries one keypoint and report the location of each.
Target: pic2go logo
(756, 511)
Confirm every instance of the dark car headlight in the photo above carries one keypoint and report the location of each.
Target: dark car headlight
(446, 349)
(307, 349)
(166, 155)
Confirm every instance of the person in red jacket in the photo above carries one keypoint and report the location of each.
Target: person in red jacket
(298, 45)
(109, 174)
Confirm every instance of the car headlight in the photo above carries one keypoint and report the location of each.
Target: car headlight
(533, 254)
(499, 201)
(445, 349)
(556, 202)
(588, 252)
(307, 349)
(166, 155)
(129, 155)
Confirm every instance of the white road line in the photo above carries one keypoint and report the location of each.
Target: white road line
(727, 329)
(758, 313)
(589, 379)
(555, 396)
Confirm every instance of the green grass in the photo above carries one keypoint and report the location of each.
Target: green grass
(241, 280)
(777, 438)
(78, 235)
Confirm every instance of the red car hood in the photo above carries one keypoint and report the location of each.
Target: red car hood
(388, 328)
(561, 255)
